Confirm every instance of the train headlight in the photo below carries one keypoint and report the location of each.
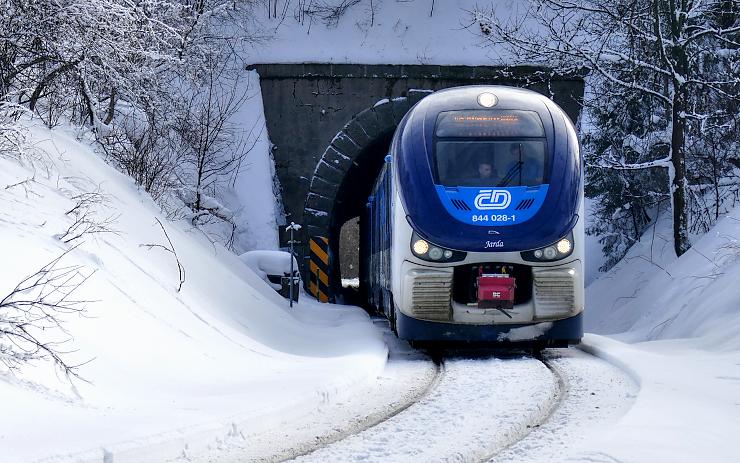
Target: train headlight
(429, 252)
(420, 247)
(487, 100)
(560, 250)
(564, 246)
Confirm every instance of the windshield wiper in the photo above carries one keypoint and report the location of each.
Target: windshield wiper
(511, 174)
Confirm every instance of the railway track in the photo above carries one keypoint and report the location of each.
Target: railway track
(373, 420)
(475, 407)
(595, 395)
(409, 377)
(561, 394)
(455, 407)
(483, 408)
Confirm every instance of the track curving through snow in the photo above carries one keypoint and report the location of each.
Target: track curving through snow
(463, 406)
(485, 408)
(480, 405)
(595, 394)
(409, 376)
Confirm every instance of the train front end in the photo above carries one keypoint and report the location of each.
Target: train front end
(488, 228)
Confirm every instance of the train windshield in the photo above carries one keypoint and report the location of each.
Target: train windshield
(495, 148)
(490, 163)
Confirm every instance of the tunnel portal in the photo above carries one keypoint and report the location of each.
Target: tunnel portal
(331, 126)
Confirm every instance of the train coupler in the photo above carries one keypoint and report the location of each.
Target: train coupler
(496, 290)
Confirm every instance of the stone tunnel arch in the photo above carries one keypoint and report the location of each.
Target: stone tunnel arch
(347, 170)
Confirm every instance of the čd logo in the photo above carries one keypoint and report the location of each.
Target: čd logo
(492, 199)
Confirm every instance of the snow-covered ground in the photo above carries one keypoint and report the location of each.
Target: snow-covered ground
(408, 376)
(677, 325)
(480, 405)
(594, 396)
(393, 32)
(164, 371)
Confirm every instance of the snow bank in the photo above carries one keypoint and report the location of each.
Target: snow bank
(687, 409)
(651, 295)
(167, 372)
(395, 32)
(256, 209)
(681, 318)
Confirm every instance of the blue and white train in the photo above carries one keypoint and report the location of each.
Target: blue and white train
(475, 227)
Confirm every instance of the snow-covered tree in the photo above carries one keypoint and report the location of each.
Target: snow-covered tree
(140, 75)
(627, 200)
(677, 56)
(213, 146)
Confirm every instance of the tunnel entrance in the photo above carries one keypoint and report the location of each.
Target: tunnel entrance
(340, 187)
(322, 117)
(346, 238)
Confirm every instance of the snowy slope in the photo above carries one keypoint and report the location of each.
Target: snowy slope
(187, 367)
(687, 409)
(678, 334)
(652, 295)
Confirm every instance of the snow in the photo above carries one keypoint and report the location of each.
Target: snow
(397, 33)
(165, 372)
(406, 378)
(259, 212)
(688, 407)
(463, 418)
(674, 325)
(651, 295)
(381, 102)
(595, 396)
(269, 262)
(525, 332)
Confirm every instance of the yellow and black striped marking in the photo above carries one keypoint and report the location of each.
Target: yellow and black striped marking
(318, 266)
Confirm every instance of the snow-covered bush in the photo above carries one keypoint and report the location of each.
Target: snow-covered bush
(148, 79)
(212, 147)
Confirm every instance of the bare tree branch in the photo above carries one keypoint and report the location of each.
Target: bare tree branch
(171, 250)
(35, 309)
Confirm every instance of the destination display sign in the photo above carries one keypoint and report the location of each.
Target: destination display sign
(489, 123)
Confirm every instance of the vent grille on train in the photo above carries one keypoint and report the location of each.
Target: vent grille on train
(525, 204)
(554, 291)
(460, 204)
(430, 295)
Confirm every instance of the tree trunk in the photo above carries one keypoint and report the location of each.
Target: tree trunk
(64, 67)
(111, 107)
(680, 219)
(679, 63)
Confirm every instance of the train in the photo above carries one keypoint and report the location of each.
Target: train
(475, 224)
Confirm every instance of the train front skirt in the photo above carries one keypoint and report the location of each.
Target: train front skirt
(562, 332)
